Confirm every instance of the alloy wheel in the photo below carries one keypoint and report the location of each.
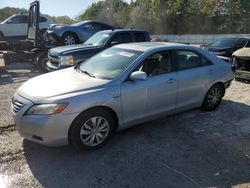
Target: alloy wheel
(94, 131)
(69, 40)
(214, 97)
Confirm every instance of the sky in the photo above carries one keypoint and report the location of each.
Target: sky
(71, 8)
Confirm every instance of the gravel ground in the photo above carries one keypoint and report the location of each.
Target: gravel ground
(192, 149)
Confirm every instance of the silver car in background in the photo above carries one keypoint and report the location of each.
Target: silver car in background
(120, 87)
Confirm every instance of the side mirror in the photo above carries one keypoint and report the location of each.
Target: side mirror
(113, 43)
(138, 75)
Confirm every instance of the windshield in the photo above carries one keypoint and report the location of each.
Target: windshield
(6, 20)
(109, 63)
(98, 39)
(224, 43)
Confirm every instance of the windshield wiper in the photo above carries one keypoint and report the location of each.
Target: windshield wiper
(85, 72)
(88, 73)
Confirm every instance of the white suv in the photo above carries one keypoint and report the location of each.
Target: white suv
(17, 25)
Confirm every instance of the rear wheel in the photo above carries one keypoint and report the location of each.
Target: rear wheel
(91, 130)
(213, 97)
(69, 39)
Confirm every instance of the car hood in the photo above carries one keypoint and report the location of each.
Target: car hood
(217, 49)
(70, 48)
(243, 52)
(58, 83)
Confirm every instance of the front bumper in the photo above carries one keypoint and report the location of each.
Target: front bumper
(245, 75)
(52, 37)
(50, 130)
(53, 67)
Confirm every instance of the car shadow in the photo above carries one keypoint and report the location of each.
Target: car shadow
(191, 149)
(17, 73)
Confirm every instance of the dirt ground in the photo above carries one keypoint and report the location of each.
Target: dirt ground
(192, 149)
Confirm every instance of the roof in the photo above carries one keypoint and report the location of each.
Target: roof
(93, 21)
(144, 46)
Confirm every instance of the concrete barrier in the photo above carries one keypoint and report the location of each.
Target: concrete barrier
(196, 39)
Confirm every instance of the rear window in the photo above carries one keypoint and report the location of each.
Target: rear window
(188, 59)
(140, 37)
(123, 38)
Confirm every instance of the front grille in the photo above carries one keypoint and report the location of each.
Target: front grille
(53, 60)
(17, 106)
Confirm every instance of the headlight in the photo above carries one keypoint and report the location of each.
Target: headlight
(46, 109)
(66, 60)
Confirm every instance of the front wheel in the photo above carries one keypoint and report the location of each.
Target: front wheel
(213, 98)
(41, 61)
(91, 130)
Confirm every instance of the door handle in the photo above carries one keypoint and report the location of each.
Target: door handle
(171, 80)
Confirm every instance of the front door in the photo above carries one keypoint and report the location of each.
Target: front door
(17, 26)
(153, 97)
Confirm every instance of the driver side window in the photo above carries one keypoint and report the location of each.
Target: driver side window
(159, 63)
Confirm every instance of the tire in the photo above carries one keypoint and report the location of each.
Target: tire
(41, 61)
(69, 39)
(85, 135)
(213, 97)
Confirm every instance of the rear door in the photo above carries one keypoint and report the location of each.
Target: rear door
(195, 74)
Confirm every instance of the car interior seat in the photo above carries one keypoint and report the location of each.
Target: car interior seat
(163, 65)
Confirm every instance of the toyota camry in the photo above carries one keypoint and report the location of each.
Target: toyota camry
(118, 88)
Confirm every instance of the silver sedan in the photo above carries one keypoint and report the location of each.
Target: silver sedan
(120, 87)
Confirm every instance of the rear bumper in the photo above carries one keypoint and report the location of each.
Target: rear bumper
(242, 74)
(226, 59)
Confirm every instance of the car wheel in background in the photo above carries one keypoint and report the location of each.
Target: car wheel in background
(1, 35)
(91, 129)
(213, 97)
(69, 39)
(41, 61)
